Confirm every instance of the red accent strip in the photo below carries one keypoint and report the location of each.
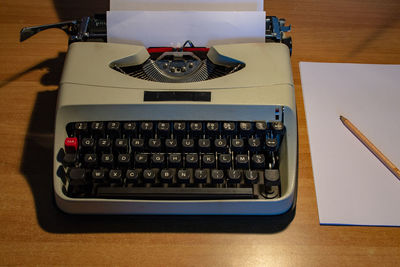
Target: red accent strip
(159, 49)
(170, 49)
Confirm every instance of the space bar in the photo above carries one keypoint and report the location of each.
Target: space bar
(174, 193)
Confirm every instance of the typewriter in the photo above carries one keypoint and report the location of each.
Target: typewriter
(161, 130)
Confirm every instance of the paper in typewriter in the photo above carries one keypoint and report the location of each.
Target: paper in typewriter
(173, 28)
(189, 5)
(352, 185)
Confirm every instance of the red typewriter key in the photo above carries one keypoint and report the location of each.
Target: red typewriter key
(71, 144)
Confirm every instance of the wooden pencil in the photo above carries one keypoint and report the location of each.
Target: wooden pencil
(371, 147)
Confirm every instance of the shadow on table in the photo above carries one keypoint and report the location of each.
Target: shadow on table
(53, 67)
(76, 9)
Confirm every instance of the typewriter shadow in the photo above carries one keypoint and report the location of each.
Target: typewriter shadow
(37, 167)
(75, 9)
(52, 76)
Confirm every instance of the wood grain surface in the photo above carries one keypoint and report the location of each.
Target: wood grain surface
(34, 232)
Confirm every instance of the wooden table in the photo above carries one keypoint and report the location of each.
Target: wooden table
(34, 232)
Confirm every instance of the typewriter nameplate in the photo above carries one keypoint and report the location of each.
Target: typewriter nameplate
(177, 96)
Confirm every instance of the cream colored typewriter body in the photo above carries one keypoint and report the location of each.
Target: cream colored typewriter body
(96, 95)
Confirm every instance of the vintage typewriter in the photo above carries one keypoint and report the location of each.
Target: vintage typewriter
(189, 130)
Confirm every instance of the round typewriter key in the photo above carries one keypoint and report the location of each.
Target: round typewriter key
(229, 128)
(87, 144)
(217, 176)
(184, 176)
(278, 130)
(129, 128)
(242, 161)
(97, 128)
(188, 145)
(212, 128)
(237, 145)
(224, 161)
(90, 159)
(171, 145)
(104, 145)
(261, 128)
(196, 128)
(220, 145)
(208, 161)
(258, 161)
(234, 176)
(146, 128)
(81, 128)
(124, 159)
(113, 128)
(192, 160)
(254, 144)
(137, 144)
(98, 176)
(251, 177)
(121, 145)
(157, 160)
(246, 128)
(115, 176)
(167, 176)
(200, 176)
(132, 176)
(204, 145)
(179, 128)
(174, 160)
(149, 176)
(271, 144)
(141, 160)
(163, 129)
(277, 127)
(155, 144)
(107, 160)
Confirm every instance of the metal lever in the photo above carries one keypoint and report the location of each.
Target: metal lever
(275, 31)
(67, 26)
(85, 29)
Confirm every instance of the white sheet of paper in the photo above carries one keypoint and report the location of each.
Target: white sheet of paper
(173, 28)
(189, 5)
(353, 187)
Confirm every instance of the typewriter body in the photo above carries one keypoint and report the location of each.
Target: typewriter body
(176, 131)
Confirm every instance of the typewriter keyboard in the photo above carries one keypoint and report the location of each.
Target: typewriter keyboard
(172, 160)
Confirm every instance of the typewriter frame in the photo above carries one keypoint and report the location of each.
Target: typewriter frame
(90, 91)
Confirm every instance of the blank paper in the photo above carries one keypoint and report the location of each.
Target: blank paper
(188, 5)
(173, 28)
